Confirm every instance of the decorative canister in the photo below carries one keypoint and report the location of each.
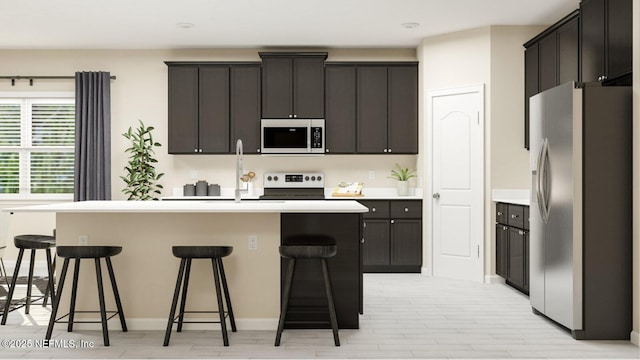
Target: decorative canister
(201, 188)
(214, 190)
(189, 190)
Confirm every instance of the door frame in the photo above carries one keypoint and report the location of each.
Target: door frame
(428, 162)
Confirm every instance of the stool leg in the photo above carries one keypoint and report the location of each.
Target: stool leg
(174, 303)
(285, 299)
(223, 322)
(12, 288)
(32, 262)
(74, 292)
(332, 308)
(56, 300)
(227, 296)
(116, 294)
(183, 301)
(4, 271)
(49, 290)
(103, 311)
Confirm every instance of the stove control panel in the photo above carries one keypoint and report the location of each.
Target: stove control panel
(293, 180)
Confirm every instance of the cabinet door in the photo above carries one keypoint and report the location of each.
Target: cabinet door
(183, 109)
(619, 36)
(502, 213)
(526, 262)
(402, 118)
(548, 62)
(340, 109)
(213, 117)
(277, 93)
(516, 250)
(502, 242)
(593, 39)
(372, 109)
(308, 87)
(406, 242)
(376, 244)
(531, 84)
(245, 107)
(568, 51)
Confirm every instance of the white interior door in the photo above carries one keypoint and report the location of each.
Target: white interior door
(457, 123)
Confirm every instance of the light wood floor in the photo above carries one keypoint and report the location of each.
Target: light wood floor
(406, 316)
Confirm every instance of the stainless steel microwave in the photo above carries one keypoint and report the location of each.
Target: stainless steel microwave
(292, 136)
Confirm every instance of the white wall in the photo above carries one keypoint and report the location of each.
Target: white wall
(492, 56)
(140, 92)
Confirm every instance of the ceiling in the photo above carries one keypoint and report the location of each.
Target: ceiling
(153, 24)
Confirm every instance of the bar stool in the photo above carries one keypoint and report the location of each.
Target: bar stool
(317, 247)
(87, 252)
(186, 254)
(33, 243)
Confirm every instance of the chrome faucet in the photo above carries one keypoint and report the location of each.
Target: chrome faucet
(239, 171)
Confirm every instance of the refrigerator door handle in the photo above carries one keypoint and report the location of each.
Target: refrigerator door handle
(538, 185)
(545, 183)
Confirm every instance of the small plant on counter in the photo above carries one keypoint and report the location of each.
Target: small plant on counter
(141, 177)
(402, 174)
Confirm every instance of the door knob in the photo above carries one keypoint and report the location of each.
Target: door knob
(436, 196)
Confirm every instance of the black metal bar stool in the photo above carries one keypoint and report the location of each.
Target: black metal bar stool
(318, 247)
(33, 243)
(186, 254)
(87, 252)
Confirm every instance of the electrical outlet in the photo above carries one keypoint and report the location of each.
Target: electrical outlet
(194, 174)
(83, 240)
(372, 174)
(253, 242)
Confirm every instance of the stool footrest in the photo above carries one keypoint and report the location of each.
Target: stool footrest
(175, 321)
(112, 312)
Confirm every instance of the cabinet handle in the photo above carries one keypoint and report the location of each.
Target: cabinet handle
(362, 240)
(364, 225)
(520, 232)
(373, 209)
(393, 221)
(406, 209)
(385, 150)
(499, 213)
(514, 216)
(258, 150)
(389, 150)
(326, 150)
(290, 115)
(199, 150)
(504, 228)
(195, 150)
(295, 116)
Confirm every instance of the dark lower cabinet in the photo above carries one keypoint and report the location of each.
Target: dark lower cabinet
(392, 233)
(512, 245)
(308, 308)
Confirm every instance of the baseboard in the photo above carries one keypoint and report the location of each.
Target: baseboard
(493, 279)
(426, 271)
(161, 324)
(635, 338)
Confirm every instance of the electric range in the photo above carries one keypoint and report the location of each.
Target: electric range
(293, 186)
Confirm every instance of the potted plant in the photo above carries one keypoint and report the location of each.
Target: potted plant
(402, 175)
(141, 177)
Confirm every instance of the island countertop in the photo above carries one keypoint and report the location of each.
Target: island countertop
(245, 206)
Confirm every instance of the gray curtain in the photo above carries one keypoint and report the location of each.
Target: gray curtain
(92, 172)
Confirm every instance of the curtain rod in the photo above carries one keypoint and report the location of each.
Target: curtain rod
(30, 78)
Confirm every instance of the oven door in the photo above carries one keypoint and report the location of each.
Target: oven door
(285, 136)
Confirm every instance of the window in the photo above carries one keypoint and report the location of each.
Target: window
(36, 147)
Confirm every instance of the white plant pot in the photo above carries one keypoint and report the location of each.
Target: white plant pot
(403, 188)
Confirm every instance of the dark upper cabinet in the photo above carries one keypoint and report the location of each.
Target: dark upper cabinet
(293, 85)
(211, 105)
(245, 107)
(371, 108)
(387, 109)
(606, 33)
(340, 109)
(402, 122)
(183, 110)
(550, 59)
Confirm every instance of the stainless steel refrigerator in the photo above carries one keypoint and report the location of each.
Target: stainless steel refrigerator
(581, 209)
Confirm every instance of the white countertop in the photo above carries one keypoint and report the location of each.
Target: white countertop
(245, 206)
(511, 196)
(369, 194)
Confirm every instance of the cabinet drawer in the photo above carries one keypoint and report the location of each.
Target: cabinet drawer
(516, 216)
(502, 210)
(377, 209)
(406, 209)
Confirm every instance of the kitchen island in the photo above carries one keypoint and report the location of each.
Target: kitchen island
(146, 270)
